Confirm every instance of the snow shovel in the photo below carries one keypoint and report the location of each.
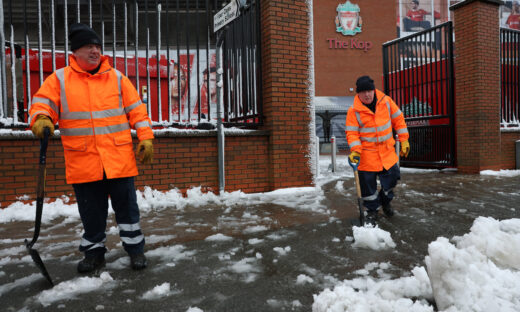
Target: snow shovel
(40, 192)
(361, 220)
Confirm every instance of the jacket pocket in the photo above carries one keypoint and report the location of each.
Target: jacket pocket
(123, 139)
(74, 144)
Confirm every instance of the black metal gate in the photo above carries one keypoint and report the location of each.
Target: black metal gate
(242, 82)
(418, 75)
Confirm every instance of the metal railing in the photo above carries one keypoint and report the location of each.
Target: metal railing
(242, 76)
(418, 76)
(166, 48)
(510, 78)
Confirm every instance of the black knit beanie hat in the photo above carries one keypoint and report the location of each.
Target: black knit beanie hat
(80, 35)
(364, 83)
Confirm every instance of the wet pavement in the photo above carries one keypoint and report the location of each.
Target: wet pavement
(278, 256)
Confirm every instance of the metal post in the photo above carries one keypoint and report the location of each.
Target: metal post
(517, 154)
(220, 128)
(397, 149)
(333, 152)
(317, 156)
(3, 74)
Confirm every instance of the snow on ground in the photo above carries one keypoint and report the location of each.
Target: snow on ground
(475, 272)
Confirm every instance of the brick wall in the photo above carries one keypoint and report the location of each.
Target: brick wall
(180, 161)
(508, 149)
(285, 75)
(478, 85)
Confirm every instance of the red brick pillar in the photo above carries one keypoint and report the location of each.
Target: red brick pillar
(477, 73)
(285, 28)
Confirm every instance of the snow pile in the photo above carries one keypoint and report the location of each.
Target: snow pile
(306, 198)
(302, 279)
(501, 173)
(475, 272)
(368, 295)
(69, 289)
(480, 272)
(372, 238)
(158, 292)
(19, 211)
(219, 237)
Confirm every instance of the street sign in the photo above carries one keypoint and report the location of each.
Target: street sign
(226, 15)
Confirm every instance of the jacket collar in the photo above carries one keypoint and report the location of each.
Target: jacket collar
(360, 107)
(105, 65)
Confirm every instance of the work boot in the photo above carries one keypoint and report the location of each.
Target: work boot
(388, 210)
(91, 263)
(371, 218)
(138, 261)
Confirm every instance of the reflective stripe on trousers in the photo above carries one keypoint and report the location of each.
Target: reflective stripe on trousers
(92, 198)
(372, 198)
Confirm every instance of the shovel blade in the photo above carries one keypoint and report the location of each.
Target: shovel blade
(39, 263)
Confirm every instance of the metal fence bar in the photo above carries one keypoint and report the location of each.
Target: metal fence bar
(90, 12)
(510, 77)
(53, 37)
(40, 58)
(148, 93)
(168, 63)
(178, 63)
(125, 48)
(27, 67)
(188, 70)
(136, 45)
(199, 106)
(102, 22)
(114, 36)
(158, 58)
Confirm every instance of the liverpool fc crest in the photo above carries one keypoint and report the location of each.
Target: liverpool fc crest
(348, 21)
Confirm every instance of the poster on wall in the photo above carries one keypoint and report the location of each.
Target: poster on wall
(186, 93)
(418, 15)
(510, 15)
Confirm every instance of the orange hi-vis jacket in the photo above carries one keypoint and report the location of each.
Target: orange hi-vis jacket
(370, 134)
(95, 114)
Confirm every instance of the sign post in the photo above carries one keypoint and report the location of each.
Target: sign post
(226, 15)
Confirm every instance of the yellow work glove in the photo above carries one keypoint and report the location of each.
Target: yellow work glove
(405, 148)
(354, 154)
(41, 123)
(145, 151)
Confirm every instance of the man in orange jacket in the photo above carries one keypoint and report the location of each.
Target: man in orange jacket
(369, 128)
(96, 106)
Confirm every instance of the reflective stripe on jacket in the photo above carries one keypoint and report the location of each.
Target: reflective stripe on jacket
(370, 134)
(95, 114)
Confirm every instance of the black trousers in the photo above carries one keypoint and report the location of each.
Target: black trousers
(92, 198)
(372, 199)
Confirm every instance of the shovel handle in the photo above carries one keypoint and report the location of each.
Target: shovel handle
(354, 166)
(40, 188)
(44, 142)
